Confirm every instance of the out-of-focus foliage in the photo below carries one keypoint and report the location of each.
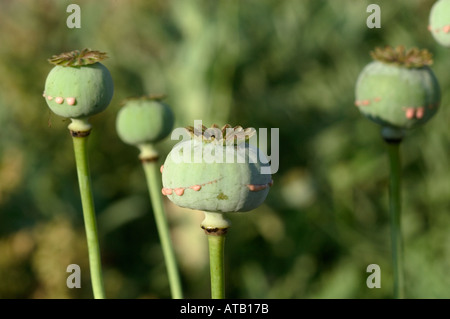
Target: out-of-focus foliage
(290, 65)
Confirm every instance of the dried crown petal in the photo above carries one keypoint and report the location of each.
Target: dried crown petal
(226, 136)
(412, 58)
(77, 58)
(149, 97)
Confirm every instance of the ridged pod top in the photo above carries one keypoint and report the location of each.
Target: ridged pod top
(227, 135)
(412, 58)
(148, 97)
(77, 58)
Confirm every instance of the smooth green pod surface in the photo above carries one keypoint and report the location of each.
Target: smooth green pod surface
(77, 92)
(398, 90)
(439, 24)
(395, 96)
(142, 121)
(79, 86)
(196, 175)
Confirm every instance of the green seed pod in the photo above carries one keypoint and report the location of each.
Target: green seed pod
(144, 120)
(79, 86)
(215, 174)
(439, 25)
(398, 90)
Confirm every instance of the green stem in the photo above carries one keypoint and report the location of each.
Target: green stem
(395, 214)
(216, 245)
(84, 181)
(154, 186)
(216, 227)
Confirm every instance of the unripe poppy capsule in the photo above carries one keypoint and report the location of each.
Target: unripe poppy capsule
(207, 173)
(79, 86)
(144, 120)
(439, 25)
(398, 90)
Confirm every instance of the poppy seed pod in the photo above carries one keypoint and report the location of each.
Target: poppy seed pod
(398, 90)
(439, 25)
(144, 120)
(79, 86)
(214, 173)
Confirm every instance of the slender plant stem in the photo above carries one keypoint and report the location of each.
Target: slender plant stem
(216, 245)
(87, 201)
(154, 185)
(395, 214)
(216, 227)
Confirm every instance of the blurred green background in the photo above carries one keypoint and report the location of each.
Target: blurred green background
(290, 65)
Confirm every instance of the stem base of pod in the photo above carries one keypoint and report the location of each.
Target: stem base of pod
(80, 127)
(392, 135)
(215, 224)
(148, 153)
